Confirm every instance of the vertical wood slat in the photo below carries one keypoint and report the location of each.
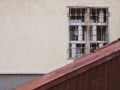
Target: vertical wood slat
(103, 77)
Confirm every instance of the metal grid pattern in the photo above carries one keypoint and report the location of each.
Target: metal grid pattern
(88, 29)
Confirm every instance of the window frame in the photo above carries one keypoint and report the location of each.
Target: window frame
(109, 25)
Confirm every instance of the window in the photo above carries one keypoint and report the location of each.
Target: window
(88, 29)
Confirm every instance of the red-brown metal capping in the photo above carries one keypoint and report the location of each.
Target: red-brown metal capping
(84, 70)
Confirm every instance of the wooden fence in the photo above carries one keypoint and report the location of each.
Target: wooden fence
(99, 70)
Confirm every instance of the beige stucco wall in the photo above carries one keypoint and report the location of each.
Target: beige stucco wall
(34, 33)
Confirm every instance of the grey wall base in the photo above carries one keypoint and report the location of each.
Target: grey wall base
(8, 82)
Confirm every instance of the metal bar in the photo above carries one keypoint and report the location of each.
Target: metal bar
(87, 47)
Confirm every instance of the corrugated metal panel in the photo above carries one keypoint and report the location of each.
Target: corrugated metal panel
(96, 71)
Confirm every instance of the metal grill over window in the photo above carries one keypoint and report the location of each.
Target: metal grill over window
(88, 29)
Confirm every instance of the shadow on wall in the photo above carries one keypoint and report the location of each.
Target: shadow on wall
(8, 82)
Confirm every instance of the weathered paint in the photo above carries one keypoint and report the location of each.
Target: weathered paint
(96, 71)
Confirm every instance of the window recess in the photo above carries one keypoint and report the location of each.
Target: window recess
(88, 29)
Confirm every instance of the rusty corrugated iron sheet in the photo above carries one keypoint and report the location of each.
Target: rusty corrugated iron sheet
(96, 71)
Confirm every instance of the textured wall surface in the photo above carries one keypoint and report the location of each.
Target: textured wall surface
(34, 33)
